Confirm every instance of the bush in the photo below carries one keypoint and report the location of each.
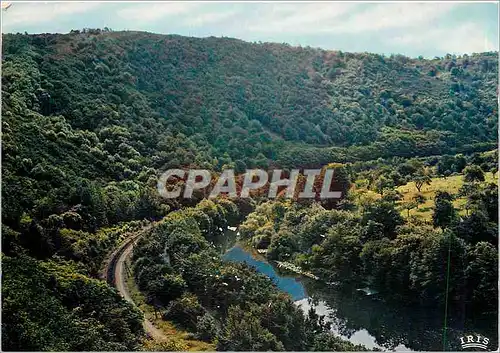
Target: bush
(168, 288)
(207, 328)
(185, 311)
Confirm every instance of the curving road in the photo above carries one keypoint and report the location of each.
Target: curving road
(114, 273)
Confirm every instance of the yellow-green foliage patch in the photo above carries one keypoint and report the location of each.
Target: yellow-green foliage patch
(451, 184)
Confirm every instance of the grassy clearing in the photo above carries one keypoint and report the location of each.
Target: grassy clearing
(449, 184)
(180, 338)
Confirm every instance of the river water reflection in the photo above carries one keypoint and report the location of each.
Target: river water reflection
(367, 320)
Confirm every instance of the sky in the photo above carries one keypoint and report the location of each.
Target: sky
(408, 28)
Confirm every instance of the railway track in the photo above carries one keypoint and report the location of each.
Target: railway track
(114, 274)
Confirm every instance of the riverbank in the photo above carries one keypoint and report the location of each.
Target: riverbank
(356, 314)
(296, 269)
(295, 286)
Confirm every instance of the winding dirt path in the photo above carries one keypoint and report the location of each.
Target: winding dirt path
(115, 275)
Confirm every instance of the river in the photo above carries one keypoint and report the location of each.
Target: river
(366, 319)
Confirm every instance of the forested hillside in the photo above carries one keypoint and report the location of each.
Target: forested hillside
(120, 106)
(90, 119)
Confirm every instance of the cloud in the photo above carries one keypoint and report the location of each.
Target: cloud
(466, 38)
(34, 13)
(394, 15)
(347, 17)
(298, 18)
(209, 18)
(156, 11)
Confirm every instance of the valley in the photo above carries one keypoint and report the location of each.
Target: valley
(94, 258)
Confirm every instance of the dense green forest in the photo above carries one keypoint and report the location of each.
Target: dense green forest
(178, 266)
(371, 244)
(91, 118)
